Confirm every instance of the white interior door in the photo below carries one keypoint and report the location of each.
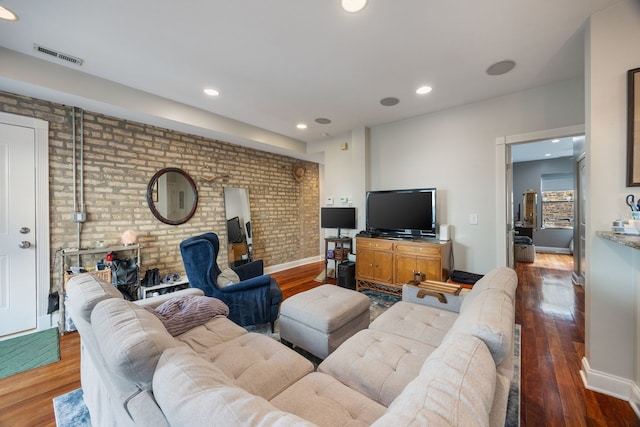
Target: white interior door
(18, 310)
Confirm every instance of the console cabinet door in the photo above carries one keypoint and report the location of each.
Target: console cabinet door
(365, 263)
(383, 267)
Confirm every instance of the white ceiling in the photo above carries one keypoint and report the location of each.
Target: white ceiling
(277, 63)
(546, 149)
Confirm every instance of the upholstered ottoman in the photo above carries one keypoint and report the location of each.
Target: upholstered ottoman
(321, 319)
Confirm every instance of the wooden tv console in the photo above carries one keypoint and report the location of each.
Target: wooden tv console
(384, 264)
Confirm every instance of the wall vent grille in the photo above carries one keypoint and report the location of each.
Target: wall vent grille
(56, 54)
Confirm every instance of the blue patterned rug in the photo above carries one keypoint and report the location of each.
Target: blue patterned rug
(71, 411)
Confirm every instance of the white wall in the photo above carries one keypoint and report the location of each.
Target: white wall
(613, 271)
(454, 151)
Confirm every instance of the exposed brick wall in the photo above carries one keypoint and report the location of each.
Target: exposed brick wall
(121, 156)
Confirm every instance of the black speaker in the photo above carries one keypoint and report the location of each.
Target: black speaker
(347, 275)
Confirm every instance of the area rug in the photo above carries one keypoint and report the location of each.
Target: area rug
(70, 410)
(29, 351)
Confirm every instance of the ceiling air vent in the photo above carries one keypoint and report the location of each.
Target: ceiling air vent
(56, 54)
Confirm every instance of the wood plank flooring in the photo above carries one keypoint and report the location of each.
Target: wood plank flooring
(549, 308)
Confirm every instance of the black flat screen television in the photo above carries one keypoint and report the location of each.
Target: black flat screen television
(337, 217)
(402, 213)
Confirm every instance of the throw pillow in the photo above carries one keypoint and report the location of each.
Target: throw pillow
(227, 277)
(181, 314)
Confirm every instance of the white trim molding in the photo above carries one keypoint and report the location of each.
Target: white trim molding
(292, 264)
(605, 383)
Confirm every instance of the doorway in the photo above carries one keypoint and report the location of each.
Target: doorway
(24, 225)
(505, 218)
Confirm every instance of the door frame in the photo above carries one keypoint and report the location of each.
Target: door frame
(41, 162)
(504, 184)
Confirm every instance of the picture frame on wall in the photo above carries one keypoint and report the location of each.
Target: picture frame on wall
(633, 128)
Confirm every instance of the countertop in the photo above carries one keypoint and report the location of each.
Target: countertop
(631, 240)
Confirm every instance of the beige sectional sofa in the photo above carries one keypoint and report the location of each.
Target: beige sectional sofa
(414, 365)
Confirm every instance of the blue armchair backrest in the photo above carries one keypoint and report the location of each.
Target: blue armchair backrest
(199, 254)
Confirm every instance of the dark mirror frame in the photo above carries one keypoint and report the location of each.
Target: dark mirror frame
(152, 205)
(633, 132)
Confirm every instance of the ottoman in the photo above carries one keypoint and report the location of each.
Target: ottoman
(320, 319)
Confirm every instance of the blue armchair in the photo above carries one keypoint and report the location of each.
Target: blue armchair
(254, 300)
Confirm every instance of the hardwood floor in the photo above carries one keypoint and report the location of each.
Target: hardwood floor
(549, 308)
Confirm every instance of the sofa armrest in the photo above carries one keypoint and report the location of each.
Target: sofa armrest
(153, 302)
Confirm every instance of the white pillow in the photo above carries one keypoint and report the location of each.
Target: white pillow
(227, 277)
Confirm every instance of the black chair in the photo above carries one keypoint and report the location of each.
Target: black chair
(254, 300)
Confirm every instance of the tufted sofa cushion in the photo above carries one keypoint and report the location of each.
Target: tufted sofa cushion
(193, 392)
(455, 387)
(489, 316)
(422, 323)
(131, 340)
(377, 364)
(325, 401)
(258, 364)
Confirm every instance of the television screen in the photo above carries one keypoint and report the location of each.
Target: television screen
(331, 217)
(402, 212)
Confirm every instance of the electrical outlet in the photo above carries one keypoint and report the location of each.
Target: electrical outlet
(329, 201)
(473, 219)
(343, 199)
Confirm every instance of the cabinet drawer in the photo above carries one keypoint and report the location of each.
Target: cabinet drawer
(384, 245)
(418, 250)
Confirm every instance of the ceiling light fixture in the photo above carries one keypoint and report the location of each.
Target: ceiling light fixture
(555, 141)
(322, 121)
(547, 155)
(501, 67)
(353, 6)
(211, 92)
(424, 90)
(7, 15)
(301, 126)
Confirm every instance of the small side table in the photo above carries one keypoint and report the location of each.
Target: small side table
(337, 253)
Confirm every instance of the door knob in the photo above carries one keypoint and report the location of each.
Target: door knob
(24, 245)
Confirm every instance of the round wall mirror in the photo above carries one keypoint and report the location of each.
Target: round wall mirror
(172, 196)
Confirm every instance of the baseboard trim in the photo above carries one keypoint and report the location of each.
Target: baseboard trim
(292, 264)
(635, 399)
(604, 383)
(552, 250)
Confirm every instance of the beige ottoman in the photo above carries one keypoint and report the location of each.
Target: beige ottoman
(321, 319)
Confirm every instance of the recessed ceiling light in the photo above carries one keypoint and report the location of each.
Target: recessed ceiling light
(7, 15)
(211, 92)
(555, 141)
(501, 67)
(423, 90)
(547, 155)
(301, 126)
(323, 121)
(325, 134)
(353, 6)
(389, 101)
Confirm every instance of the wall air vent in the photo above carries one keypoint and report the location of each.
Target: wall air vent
(56, 54)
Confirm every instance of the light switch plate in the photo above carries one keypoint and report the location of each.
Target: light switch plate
(473, 219)
(329, 200)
